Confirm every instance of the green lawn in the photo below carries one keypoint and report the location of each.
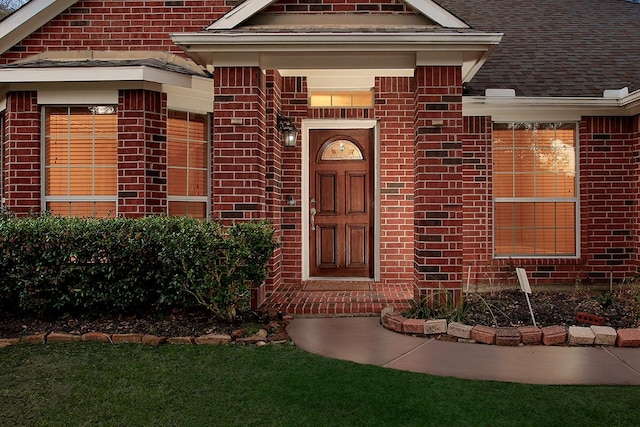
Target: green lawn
(92, 384)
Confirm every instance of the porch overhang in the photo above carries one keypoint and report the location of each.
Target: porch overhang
(339, 50)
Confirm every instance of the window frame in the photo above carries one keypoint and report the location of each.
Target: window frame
(575, 200)
(192, 199)
(43, 156)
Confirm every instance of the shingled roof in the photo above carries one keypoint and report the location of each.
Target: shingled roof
(572, 48)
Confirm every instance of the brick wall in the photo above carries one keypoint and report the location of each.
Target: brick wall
(438, 178)
(477, 203)
(394, 108)
(142, 153)
(239, 169)
(336, 6)
(22, 153)
(273, 185)
(294, 105)
(120, 25)
(636, 153)
(608, 183)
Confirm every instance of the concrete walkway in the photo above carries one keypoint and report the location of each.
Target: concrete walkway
(364, 340)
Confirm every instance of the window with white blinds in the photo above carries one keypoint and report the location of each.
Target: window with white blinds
(535, 190)
(80, 161)
(188, 166)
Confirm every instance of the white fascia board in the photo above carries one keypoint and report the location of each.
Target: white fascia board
(540, 109)
(436, 13)
(31, 16)
(331, 41)
(249, 8)
(631, 102)
(239, 14)
(94, 74)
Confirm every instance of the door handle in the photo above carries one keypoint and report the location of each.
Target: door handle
(312, 218)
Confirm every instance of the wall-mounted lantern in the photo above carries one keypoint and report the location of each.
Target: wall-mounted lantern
(288, 129)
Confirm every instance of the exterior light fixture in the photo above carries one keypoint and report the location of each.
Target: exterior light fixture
(288, 129)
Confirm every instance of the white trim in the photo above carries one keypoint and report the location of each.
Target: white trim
(239, 14)
(331, 41)
(249, 8)
(549, 109)
(94, 74)
(75, 96)
(436, 13)
(312, 124)
(575, 200)
(24, 21)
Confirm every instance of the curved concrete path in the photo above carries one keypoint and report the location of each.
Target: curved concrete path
(364, 340)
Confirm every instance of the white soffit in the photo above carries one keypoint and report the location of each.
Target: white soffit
(251, 7)
(503, 108)
(24, 21)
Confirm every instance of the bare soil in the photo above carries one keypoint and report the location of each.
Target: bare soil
(178, 323)
(620, 309)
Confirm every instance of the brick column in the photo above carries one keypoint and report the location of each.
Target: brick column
(23, 180)
(274, 198)
(636, 151)
(142, 153)
(438, 180)
(239, 144)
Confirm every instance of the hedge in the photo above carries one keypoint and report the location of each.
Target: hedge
(54, 265)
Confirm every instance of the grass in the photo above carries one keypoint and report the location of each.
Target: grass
(132, 385)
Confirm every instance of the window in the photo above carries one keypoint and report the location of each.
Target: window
(363, 98)
(188, 171)
(534, 189)
(80, 161)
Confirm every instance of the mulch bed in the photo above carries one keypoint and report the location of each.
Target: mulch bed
(620, 309)
(178, 323)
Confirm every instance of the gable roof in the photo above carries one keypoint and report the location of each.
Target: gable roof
(31, 16)
(250, 8)
(550, 48)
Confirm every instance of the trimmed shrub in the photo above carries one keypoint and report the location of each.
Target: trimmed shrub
(52, 265)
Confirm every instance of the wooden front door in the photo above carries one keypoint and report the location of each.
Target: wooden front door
(341, 203)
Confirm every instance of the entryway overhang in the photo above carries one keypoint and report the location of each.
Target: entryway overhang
(340, 50)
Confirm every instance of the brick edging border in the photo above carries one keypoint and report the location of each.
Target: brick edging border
(510, 336)
(274, 333)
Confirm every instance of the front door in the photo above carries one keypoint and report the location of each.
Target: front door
(341, 203)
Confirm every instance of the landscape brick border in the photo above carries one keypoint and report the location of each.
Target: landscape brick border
(594, 335)
(273, 333)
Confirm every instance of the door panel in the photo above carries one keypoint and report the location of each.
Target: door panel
(341, 203)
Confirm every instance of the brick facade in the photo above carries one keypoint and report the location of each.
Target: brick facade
(22, 153)
(438, 178)
(435, 165)
(142, 153)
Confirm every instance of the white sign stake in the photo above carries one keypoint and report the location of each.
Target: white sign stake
(526, 288)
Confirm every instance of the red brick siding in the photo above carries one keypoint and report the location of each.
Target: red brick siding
(119, 25)
(142, 153)
(340, 6)
(636, 179)
(438, 178)
(476, 161)
(273, 185)
(608, 182)
(394, 109)
(239, 169)
(23, 175)
(294, 105)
